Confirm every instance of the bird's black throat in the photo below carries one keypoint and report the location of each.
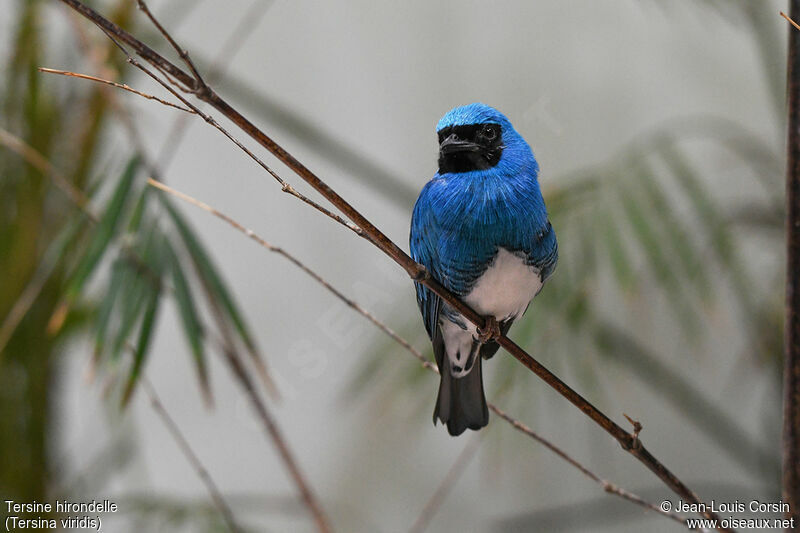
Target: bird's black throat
(470, 147)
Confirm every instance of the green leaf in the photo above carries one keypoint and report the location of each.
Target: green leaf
(145, 335)
(647, 237)
(106, 228)
(145, 266)
(215, 287)
(720, 239)
(192, 327)
(694, 269)
(615, 247)
(138, 212)
(119, 278)
(652, 247)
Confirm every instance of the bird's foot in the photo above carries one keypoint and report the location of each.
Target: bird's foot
(490, 331)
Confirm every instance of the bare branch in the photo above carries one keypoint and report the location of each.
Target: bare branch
(285, 186)
(184, 55)
(416, 271)
(319, 279)
(247, 23)
(122, 86)
(607, 485)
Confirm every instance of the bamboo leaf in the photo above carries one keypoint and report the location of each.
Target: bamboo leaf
(647, 237)
(694, 269)
(651, 246)
(720, 239)
(192, 327)
(118, 279)
(216, 288)
(615, 247)
(145, 276)
(109, 222)
(138, 211)
(145, 336)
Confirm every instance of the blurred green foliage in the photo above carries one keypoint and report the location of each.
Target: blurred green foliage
(54, 240)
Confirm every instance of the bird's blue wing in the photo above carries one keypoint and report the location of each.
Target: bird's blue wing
(425, 231)
(543, 251)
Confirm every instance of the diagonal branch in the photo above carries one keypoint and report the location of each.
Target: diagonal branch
(416, 271)
(607, 485)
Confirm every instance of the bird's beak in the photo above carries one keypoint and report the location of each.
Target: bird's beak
(453, 144)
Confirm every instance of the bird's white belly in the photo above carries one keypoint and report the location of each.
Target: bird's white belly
(506, 288)
(503, 291)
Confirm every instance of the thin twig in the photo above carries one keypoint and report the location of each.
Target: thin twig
(182, 52)
(608, 486)
(122, 86)
(276, 249)
(416, 271)
(285, 186)
(235, 40)
(47, 266)
(38, 161)
(191, 456)
(792, 22)
(450, 479)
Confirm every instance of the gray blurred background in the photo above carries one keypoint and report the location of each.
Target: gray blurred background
(659, 132)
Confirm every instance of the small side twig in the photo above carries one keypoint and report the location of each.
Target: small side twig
(285, 186)
(609, 487)
(182, 52)
(637, 428)
(235, 40)
(122, 86)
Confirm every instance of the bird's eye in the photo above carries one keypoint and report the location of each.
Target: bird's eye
(489, 132)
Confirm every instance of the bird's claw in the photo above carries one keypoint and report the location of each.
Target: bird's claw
(490, 331)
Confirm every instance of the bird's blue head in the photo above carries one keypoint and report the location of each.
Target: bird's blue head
(477, 137)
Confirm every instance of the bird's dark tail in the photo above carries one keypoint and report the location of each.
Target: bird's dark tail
(461, 403)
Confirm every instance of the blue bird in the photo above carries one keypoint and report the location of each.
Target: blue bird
(480, 227)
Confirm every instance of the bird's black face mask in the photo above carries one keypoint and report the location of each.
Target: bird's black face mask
(471, 147)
